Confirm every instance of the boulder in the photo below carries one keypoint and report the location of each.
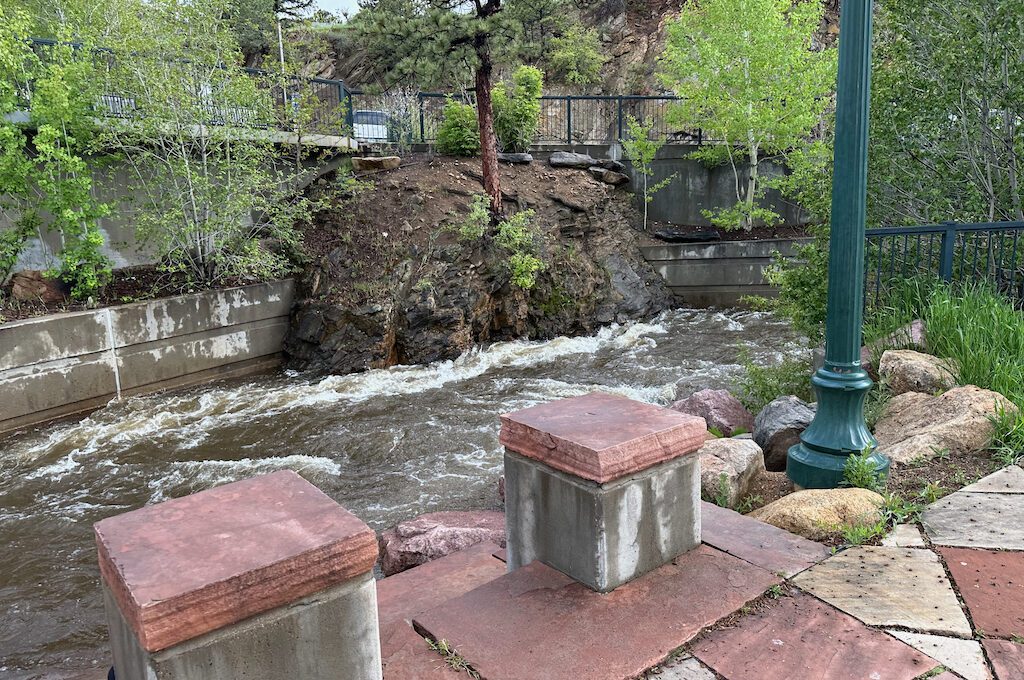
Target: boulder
(33, 286)
(428, 537)
(670, 235)
(911, 336)
(778, 426)
(819, 514)
(720, 409)
(732, 463)
(609, 164)
(616, 179)
(905, 370)
(568, 159)
(917, 426)
(515, 158)
(371, 163)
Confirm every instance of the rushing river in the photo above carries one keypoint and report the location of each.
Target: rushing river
(387, 444)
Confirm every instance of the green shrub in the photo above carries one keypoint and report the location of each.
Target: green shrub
(459, 134)
(576, 56)
(475, 224)
(517, 109)
(761, 385)
(520, 237)
(859, 472)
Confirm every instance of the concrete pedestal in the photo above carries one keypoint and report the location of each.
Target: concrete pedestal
(262, 579)
(602, 488)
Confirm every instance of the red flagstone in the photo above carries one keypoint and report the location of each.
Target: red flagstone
(536, 622)
(1007, 658)
(992, 585)
(802, 637)
(192, 565)
(762, 544)
(409, 657)
(601, 437)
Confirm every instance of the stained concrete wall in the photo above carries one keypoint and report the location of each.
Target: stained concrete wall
(718, 274)
(62, 364)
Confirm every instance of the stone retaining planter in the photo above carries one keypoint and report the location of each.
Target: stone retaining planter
(64, 364)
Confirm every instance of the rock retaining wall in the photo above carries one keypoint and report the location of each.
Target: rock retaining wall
(62, 364)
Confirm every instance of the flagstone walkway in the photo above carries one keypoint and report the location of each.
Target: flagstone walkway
(752, 603)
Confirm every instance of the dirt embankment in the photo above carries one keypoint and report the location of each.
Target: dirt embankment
(390, 282)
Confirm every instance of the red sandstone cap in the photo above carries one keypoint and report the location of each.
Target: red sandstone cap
(601, 437)
(192, 565)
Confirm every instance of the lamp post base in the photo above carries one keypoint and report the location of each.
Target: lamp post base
(810, 469)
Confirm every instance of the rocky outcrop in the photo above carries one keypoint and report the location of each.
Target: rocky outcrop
(375, 163)
(778, 427)
(821, 514)
(615, 179)
(905, 370)
(719, 409)
(435, 535)
(33, 286)
(917, 426)
(728, 468)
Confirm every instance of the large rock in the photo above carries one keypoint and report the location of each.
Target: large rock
(729, 466)
(33, 286)
(428, 537)
(818, 514)
(919, 426)
(371, 163)
(911, 336)
(515, 158)
(720, 409)
(905, 370)
(778, 427)
(616, 179)
(568, 159)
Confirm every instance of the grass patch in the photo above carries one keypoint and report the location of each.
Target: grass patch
(760, 385)
(452, 658)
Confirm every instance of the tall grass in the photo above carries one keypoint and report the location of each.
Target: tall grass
(975, 327)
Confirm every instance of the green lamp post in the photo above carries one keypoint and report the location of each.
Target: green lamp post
(839, 430)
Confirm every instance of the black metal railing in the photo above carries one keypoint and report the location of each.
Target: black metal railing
(564, 119)
(987, 252)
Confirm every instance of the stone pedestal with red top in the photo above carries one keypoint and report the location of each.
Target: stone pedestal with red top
(600, 487)
(262, 579)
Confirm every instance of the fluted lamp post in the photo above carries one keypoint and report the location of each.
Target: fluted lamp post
(838, 430)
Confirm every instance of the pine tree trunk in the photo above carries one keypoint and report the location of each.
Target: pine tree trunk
(485, 118)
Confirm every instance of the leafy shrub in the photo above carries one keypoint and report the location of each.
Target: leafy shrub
(459, 134)
(12, 243)
(761, 385)
(475, 224)
(576, 56)
(517, 109)
(518, 235)
(859, 472)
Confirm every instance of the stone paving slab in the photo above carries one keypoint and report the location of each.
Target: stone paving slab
(761, 544)
(1008, 480)
(898, 587)
(1007, 658)
(539, 624)
(992, 585)
(684, 667)
(965, 657)
(976, 520)
(409, 658)
(904, 536)
(802, 638)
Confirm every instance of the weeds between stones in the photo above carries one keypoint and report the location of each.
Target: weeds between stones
(452, 658)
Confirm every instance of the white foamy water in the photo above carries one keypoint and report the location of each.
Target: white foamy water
(386, 444)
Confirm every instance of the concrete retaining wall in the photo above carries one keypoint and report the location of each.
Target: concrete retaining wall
(63, 364)
(718, 274)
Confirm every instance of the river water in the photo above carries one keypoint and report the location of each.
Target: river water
(387, 444)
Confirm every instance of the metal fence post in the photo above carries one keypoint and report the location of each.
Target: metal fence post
(948, 247)
(350, 114)
(568, 119)
(620, 118)
(423, 130)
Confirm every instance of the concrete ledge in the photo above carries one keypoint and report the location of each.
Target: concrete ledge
(64, 364)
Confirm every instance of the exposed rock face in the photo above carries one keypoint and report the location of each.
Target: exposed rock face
(730, 466)
(32, 286)
(818, 514)
(778, 427)
(391, 282)
(905, 370)
(568, 159)
(719, 409)
(919, 426)
(435, 535)
(371, 163)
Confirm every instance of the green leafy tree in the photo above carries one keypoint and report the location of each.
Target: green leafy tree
(576, 56)
(438, 41)
(517, 109)
(47, 126)
(641, 150)
(747, 74)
